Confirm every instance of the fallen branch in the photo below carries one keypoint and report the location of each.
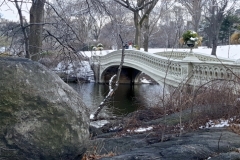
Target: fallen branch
(112, 88)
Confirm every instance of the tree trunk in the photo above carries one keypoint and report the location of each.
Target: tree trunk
(36, 28)
(209, 40)
(214, 46)
(197, 8)
(138, 31)
(146, 34)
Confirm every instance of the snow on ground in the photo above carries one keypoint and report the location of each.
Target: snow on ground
(217, 123)
(91, 116)
(139, 130)
(210, 124)
(227, 51)
(76, 69)
(99, 124)
(2, 49)
(91, 53)
(144, 80)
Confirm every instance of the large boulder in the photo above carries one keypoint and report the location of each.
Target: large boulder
(41, 116)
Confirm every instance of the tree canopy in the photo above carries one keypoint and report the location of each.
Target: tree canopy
(71, 26)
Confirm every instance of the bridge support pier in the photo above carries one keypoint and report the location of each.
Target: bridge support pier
(95, 65)
(187, 73)
(187, 68)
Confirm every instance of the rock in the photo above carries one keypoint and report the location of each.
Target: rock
(200, 144)
(94, 131)
(229, 155)
(41, 116)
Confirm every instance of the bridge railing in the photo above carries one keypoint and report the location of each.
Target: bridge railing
(161, 64)
(148, 60)
(176, 70)
(204, 72)
(180, 55)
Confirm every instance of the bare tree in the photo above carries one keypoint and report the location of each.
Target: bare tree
(159, 11)
(32, 41)
(60, 21)
(140, 14)
(98, 24)
(194, 8)
(215, 10)
(118, 20)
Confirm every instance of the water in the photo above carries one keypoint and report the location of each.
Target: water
(127, 98)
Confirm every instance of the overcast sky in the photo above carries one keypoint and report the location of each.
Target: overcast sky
(8, 11)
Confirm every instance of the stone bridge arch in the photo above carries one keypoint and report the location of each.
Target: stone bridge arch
(129, 73)
(135, 68)
(172, 68)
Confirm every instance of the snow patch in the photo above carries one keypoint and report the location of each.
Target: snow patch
(99, 124)
(225, 51)
(218, 124)
(193, 39)
(79, 69)
(139, 130)
(144, 80)
(91, 116)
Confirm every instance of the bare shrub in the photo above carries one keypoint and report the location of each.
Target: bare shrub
(235, 128)
(148, 114)
(214, 101)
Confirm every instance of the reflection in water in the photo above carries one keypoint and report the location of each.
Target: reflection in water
(126, 99)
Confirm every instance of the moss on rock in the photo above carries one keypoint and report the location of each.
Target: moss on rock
(41, 116)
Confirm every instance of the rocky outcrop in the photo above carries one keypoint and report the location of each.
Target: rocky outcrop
(41, 116)
(214, 144)
(208, 143)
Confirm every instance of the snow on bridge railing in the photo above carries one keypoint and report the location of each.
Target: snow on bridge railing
(202, 57)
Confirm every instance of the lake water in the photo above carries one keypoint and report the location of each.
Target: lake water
(127, 98)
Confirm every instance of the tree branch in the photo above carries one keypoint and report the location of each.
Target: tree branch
(111, 88)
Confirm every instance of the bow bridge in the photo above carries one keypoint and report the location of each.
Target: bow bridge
(169, 67)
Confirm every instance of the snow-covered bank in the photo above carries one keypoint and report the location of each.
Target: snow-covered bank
(226, 51)
(75, 70)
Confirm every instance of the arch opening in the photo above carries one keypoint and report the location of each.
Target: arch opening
(128, 75)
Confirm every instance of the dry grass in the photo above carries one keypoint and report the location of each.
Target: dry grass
(93, 155)
(235, 128)
(96, 156)
(217, 101)
(234, 39)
